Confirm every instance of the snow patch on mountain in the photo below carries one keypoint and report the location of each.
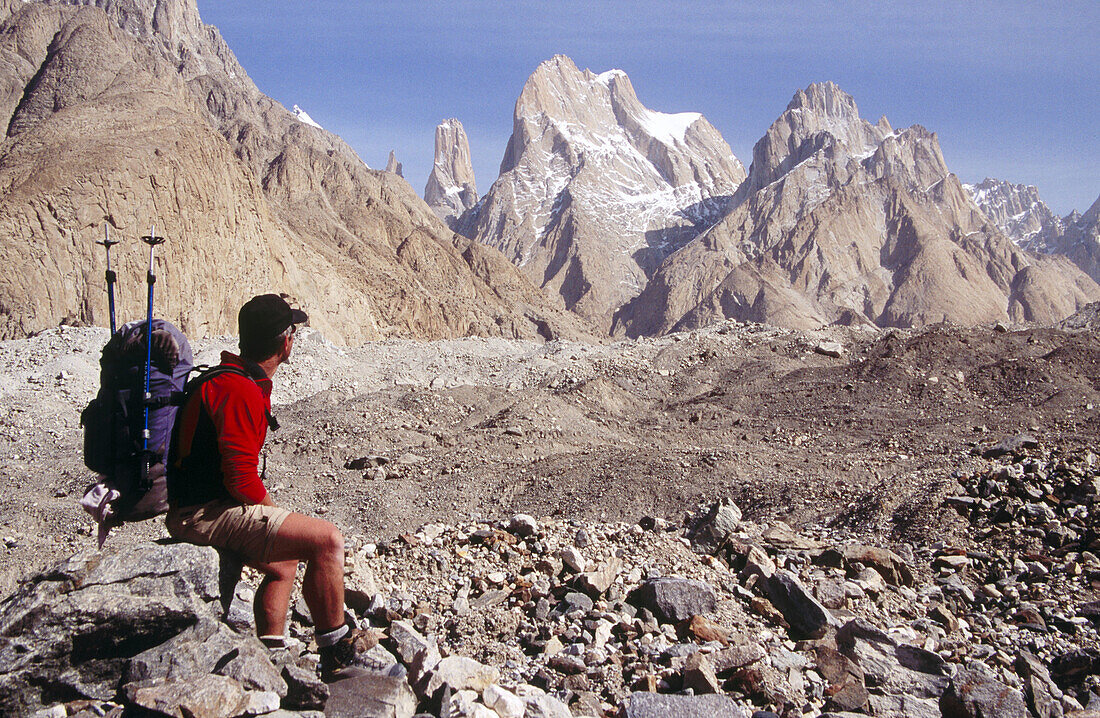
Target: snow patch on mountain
(669, 128)
(303, 116)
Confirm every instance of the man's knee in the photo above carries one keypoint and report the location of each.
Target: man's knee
(330, 542)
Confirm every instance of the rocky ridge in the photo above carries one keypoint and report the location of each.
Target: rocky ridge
(1080, 240)
(451, 189)
(842, 221)
(134, 113)
(595, 189)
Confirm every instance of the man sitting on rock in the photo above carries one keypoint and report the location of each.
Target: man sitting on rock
(217, 498)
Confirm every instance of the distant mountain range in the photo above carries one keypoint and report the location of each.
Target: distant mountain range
(645, 223)
(607, 217)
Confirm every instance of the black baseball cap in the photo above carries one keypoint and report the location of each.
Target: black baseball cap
(265, 317)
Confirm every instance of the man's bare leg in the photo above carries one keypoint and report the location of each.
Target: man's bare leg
(321, 546)
(273, 596)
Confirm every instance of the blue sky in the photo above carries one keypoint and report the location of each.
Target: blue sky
(1011, 88)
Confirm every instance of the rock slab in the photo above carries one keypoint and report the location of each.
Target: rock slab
(371, 695)
(805, 615)
(70, 631)
(657, 705)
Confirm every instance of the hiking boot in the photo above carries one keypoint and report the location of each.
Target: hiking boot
(343, 659)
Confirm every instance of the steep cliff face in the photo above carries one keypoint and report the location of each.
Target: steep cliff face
(595, 189)
(132, 112)
(451, 189)
(844, 221)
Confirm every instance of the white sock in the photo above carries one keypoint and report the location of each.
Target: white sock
(273, 641)
(331, 637)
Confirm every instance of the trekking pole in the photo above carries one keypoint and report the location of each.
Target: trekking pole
(111, 276)
(152, 240)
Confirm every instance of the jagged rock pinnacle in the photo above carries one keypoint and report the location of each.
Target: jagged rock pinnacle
(451, 189)
(392, 165)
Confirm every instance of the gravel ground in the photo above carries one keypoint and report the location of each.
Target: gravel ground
(482, 428)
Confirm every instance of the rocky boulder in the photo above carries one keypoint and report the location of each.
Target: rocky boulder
(674, 599)
(655, 705)
(805, 615)
(74, 630)
(892, 567)
(712, 530)
(890, 666)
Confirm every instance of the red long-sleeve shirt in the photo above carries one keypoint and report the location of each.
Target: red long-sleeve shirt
(237, 407)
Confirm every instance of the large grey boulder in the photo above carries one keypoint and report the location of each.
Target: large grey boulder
(846, 687)
(371, 695)
(674, 599)
(893, 568)
(1044, 697)
(460, 673)
(903, 706)
(72, 630)
(416, 652)
(195, 697)
(305, 690)
(713, 529)
(540, 704)
(889, 666)
(210, 647)
(804, 614)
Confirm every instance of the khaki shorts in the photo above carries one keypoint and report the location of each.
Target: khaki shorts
(246, 529)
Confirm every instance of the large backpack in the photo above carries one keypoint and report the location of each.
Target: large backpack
(132, 480)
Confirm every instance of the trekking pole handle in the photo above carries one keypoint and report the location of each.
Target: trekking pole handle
(107, 242)
(110, 275)
(152, 240)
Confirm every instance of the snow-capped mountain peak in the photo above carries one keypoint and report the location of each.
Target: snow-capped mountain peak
(596, 189)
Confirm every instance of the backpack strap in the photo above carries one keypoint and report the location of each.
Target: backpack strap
(205, 374)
